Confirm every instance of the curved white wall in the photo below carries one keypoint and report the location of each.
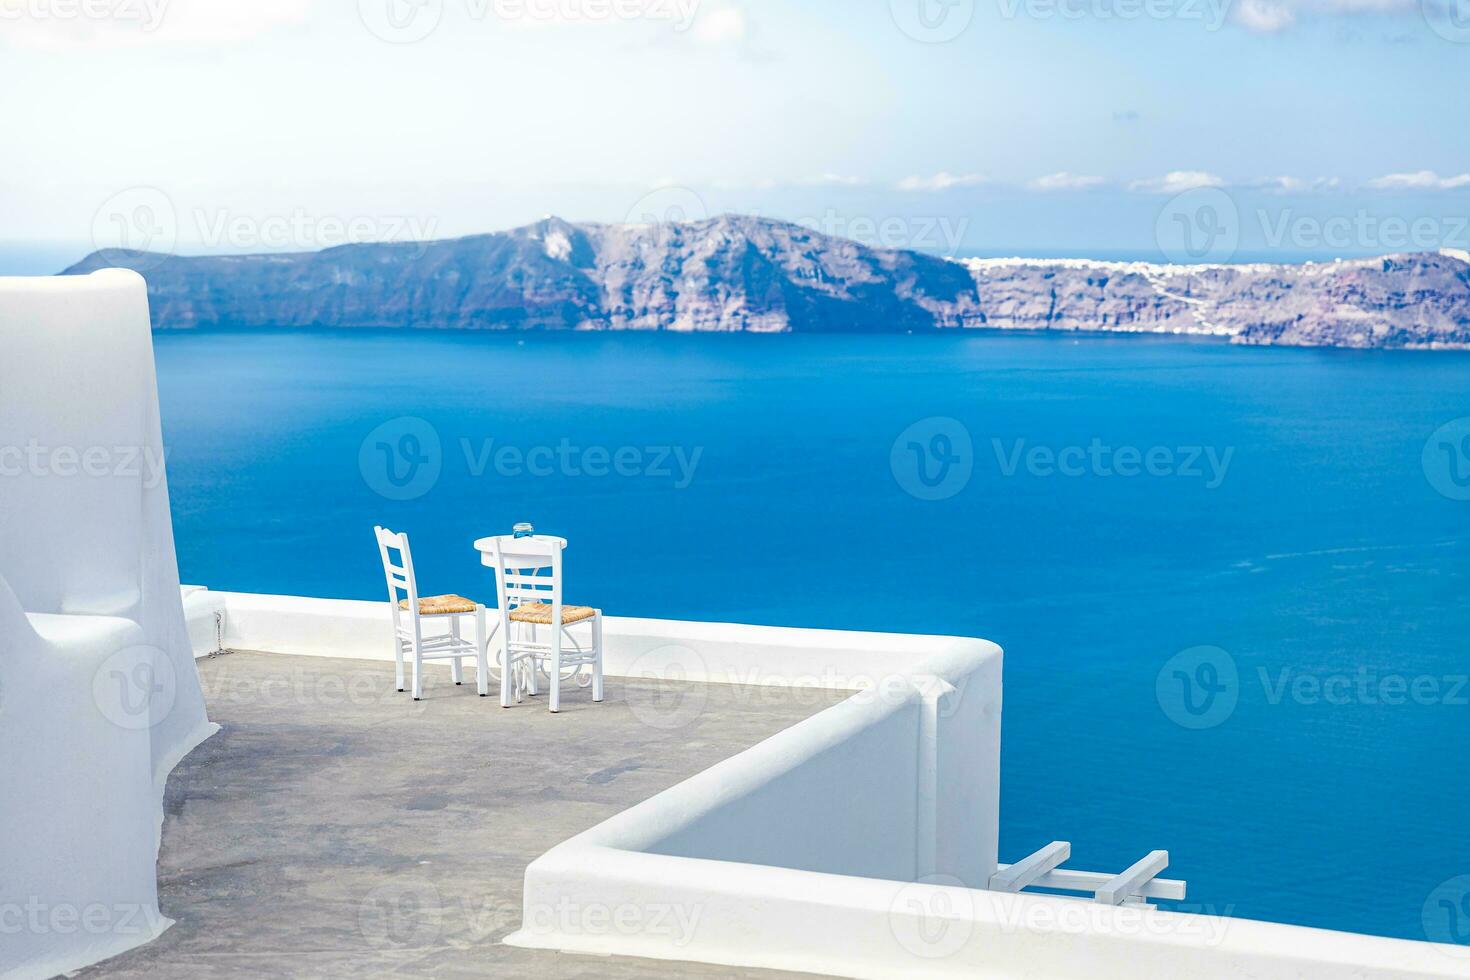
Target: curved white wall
(99, 698)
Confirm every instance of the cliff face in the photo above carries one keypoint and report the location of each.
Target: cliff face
(1417, 300)
(728, 273)
(751, 274)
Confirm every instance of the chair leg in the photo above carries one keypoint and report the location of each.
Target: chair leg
(482, 658)
(533, 686)
(597, 657)
(555, 672)
(418, 673)
(507, 669)
(398, 663)
(456, 666)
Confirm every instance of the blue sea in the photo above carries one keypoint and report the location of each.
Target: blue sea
(1230, 582)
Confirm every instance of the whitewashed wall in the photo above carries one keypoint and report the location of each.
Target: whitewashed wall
(855, 843)
(99, 698)
(789, 815)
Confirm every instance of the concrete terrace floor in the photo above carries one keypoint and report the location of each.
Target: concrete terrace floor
(334, 827)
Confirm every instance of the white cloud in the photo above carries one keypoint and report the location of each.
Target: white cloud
(836, 180)
(138, 23)
(1263, 16)
(1066, 182)
(738, 184)
(1177, 182)
(1421, 180)
(761, 183)
(578, 13)
(941, 181)
(723, 25)
(727, 27)
(1274, 16)
(1295, 185)
(1363, 6)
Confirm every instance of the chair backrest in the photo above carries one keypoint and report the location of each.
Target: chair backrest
(527, 570)
(399, 574)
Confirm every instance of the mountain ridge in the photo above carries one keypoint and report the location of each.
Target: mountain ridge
(738, 273)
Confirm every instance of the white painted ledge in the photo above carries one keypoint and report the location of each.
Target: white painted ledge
(804, 852)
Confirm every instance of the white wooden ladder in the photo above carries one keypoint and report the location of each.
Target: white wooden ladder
(1134, 886)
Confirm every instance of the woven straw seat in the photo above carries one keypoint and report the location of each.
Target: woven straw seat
(539, 614)
(441, 605)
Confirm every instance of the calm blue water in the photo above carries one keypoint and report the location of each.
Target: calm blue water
(1321, 554)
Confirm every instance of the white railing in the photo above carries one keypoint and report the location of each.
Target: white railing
(1135, 886)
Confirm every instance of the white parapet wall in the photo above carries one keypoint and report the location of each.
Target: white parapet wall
(856, 843)
(942, 743)
(99, 699)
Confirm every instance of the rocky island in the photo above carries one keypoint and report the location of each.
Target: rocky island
(737, 273)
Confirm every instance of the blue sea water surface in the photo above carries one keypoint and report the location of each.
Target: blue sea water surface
(1308, 766)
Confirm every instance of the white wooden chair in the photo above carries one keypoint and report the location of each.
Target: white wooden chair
(410, 611)
(528, 580)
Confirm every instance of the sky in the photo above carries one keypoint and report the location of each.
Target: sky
(1178, 130)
